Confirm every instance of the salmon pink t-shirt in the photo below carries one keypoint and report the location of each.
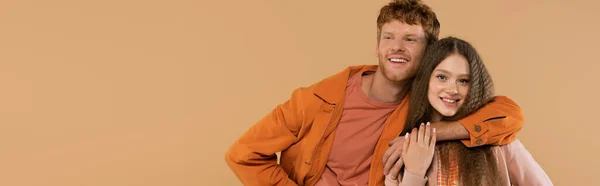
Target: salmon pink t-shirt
(355, 137)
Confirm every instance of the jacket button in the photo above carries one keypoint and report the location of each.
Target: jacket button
(479, 141)
(477, 128)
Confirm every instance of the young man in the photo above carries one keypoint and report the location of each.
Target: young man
(336, 131)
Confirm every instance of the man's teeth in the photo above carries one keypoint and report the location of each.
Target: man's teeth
(398, 60)
(449, 100)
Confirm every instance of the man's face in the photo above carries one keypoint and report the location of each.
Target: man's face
(400, 49)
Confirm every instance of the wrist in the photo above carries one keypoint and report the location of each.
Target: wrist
(421, 174)
(441, 130)
(450, 130)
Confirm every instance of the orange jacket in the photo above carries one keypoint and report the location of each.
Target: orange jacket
(302, 127)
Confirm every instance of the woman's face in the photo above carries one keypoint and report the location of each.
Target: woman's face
(449, 85)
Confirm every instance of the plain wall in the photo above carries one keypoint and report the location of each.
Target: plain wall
(132, 92)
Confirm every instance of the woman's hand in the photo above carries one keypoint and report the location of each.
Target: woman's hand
(418, 149)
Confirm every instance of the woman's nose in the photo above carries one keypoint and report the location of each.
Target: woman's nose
(452, 89)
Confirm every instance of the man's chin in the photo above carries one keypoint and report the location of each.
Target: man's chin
(395, 76)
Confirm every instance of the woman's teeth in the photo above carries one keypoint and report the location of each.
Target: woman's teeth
(449, 100)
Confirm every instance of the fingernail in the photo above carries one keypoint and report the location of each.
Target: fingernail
(433, 129)
(428, 123)
(406, 136)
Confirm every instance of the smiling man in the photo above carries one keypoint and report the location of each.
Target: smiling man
(337, 131)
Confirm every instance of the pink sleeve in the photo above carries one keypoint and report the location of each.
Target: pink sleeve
(408, 179)
(522, 168)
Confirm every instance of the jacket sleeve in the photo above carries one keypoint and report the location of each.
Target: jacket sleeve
(252, 156)
(497, 123)
(522, 167)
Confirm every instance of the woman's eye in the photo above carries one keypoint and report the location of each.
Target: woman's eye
(464, 81)
(442, 77)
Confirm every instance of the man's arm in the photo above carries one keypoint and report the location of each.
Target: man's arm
(450, 130)
(252, 157)
(497, 123)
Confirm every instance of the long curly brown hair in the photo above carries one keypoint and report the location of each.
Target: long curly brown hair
(476, 165)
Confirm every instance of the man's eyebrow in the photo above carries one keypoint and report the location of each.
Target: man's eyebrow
(415, 35)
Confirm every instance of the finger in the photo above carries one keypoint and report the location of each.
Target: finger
(427, 137)
(387, 155)
(406, 142)
(413, 138)
(396, 169)
(433, 140)
(391, 160)
(394, 144)
(399, 178)
(395, 140)
(421, 133)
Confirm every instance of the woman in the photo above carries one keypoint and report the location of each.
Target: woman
(453, 83)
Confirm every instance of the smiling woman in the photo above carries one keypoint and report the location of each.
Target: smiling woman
(442, 92)
(448, 86)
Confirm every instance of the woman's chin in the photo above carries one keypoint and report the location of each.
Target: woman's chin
(443, 112)
(448, 113)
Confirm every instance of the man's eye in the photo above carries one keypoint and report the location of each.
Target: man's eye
(410, 39)
(387, 37)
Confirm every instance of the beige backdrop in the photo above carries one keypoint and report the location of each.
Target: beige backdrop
(152, 93)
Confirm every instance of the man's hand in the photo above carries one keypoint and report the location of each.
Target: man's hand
(391, 156)
(395, 177)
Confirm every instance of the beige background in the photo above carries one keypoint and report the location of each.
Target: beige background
(132, 92)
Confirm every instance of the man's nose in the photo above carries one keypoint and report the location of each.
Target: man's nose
(398, 46)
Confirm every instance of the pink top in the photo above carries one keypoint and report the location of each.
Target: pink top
(515, 163)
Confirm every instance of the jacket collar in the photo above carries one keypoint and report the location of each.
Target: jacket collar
(333, 89)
